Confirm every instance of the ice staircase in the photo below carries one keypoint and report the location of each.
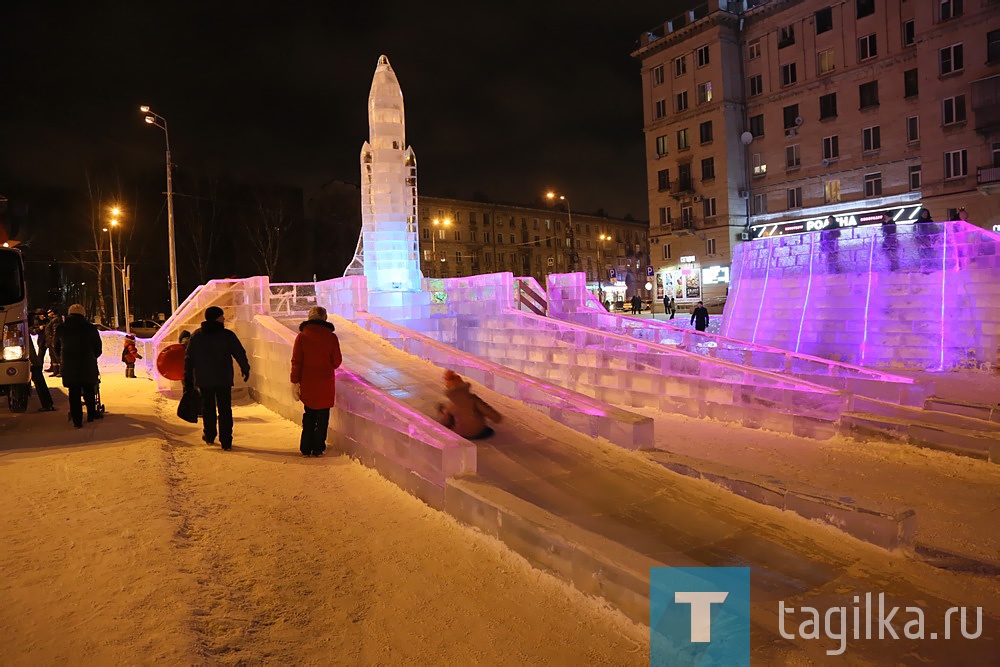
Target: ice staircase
(926, 298)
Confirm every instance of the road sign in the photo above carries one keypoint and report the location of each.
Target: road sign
(649, 272)
(612, 275)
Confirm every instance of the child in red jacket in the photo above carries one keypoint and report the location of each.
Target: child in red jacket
(465, 413)
(129, 354)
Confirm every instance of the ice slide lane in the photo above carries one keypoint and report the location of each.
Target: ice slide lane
(666, 519)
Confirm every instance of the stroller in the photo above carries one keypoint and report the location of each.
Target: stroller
(100, 410)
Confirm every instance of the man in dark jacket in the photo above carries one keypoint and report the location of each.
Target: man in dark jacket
(699, 317)
(78, 345)
(208, 365)
(50, 336)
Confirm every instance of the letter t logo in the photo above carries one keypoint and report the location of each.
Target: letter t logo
(701, 612)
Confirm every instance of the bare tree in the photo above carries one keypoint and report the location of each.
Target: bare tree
(202, 223)
(266, 227)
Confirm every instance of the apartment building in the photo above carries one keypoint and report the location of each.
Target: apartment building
(766, 114)
(463, 238)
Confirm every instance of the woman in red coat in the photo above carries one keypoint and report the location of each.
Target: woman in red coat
(315, 357)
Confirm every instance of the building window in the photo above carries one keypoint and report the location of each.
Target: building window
(458, 235)
(427, 233)
(684, 177)
(825, 61)
(472, 236)
(911, 85)
(427, 255)
(956, 164)
(953, 110)
(912, 129)
(824, 20)
(871, 138)
(868, 94)
(666, 251)
(790, 115)
(538, 241)
(458, 256)
(704, 92)
(828, 106)
(709, 207)
(786, 36)
(708, 169)
(831, 192)
(865, 8)
(792, 157)
(759, 204)
(486, 237)
(950, 9)
(680, 66)
(701, 55)
(687, 217)
(788, 76)
(709, 246)
(867, 47)
(915, 176)
(952, 59)
(757, 125)
(909, 33)
(873, 185)
(993, 46)
(441, 234)
(753, 50)
(831, 147)
(756, 85)
(658, 75)
(661, 145)
(794, 196)
(682, 101)
(705, 132)
(759, 164)
(663, 180)
(682, 140)
(661, 109)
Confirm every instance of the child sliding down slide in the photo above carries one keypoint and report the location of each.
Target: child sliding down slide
(465, 413)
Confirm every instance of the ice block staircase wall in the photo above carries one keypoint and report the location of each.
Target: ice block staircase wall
(927, 299)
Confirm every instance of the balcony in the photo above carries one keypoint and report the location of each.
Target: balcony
(986, 104)
(988, 180)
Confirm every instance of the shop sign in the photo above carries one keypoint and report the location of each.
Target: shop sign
(903, 215)
(688, 259)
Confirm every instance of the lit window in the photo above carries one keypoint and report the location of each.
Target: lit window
(831, 191)
(825, 61)
(759, 164)
(704, 92)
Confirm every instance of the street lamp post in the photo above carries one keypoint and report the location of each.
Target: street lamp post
(437, 223)
(600, 262)
(573, 257)
(153, 118)
(111, 245)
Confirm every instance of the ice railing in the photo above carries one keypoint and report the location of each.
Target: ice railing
(575, 410)
(926, 296)
(471, 295)
(569, 300)
(374, 420)
(613, 353)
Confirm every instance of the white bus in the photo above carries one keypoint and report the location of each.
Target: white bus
(15, 371)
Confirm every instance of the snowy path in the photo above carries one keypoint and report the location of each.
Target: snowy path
(131, 541)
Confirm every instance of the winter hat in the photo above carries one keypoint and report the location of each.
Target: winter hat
(77, 309)
(213, 313)
(185, 335)
(452, 379)
(130, 336)
(317, 313)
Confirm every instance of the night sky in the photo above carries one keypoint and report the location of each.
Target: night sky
(506, 99)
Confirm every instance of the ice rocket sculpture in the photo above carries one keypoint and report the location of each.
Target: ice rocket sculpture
(388, 247)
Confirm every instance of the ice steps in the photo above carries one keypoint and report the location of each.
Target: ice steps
(972, 422)
(990, 413)
(983, 445)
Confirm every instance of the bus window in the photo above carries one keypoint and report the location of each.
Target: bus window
(11, 280)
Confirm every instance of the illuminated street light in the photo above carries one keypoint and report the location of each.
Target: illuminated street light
(115, 211)
(153, 118)
(438, 223)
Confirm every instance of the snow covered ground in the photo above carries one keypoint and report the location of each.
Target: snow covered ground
(131, 541)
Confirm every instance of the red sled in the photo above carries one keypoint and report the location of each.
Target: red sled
(170, 362)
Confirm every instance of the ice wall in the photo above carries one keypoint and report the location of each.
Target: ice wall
(927, 297)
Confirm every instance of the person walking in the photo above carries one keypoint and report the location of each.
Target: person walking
(129, 354)
(666, 306)
(315, 358)
(466, 413)
(699, 317)
(673, 307)
(38, 379)
(208, 366)
(78, 346)
(54, 320)
(43, 341)
(636, 304)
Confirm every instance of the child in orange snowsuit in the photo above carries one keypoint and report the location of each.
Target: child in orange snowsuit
(466, 413)
(129, 354)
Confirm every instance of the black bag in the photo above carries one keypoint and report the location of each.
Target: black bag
(190, 406)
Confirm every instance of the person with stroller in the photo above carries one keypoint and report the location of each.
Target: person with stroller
(129, 355)
(78, 346)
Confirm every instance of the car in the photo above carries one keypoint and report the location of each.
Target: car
(144, 328)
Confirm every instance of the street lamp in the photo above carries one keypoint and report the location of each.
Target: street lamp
(153, 118)
(600, 262)
(438, 223)
(115, 211)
